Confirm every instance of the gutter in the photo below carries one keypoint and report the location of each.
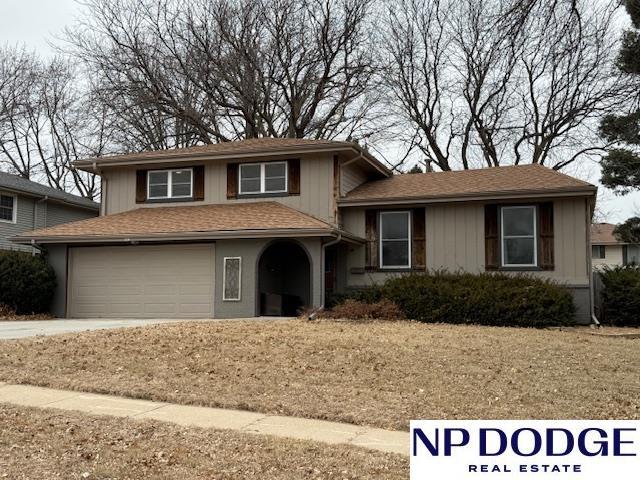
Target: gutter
(347, 202)
(188, 236)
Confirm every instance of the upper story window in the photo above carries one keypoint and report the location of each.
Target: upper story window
(395, 239)
(164, 184)
(598, 251)
(257, 178)
(8, 208)
(518, 227)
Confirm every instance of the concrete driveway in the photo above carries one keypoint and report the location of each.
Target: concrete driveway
(10, 330)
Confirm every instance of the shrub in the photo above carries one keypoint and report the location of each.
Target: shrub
(27, 282)
(621, 295)
(359, 310)
(486, 299)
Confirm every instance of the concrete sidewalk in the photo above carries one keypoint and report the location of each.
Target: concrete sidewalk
(249, 422)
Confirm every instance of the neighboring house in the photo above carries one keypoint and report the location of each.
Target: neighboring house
(266, 226)
(607, 250)
(27, 205)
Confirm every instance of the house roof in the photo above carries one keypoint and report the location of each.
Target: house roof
(254, 147)
(238, 220)
(18, 184)
(466, 184)
(602, 234)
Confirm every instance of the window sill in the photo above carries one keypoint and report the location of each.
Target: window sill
(170, 200)
(360, 271)
(519, 269)
(264, 195)
(11, 222)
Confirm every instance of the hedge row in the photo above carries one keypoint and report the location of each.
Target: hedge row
(485, 299)
(27, 282)
(621, 296)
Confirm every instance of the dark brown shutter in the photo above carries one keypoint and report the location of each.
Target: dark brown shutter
(418, 241)
(545, 250)
(491, 240)
(371, 235)
(141, 186)
(232, 180)
(198, 182)
(294, 176)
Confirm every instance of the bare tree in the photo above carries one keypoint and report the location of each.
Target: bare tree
(490, 82)
(174, 74)
(48, 121)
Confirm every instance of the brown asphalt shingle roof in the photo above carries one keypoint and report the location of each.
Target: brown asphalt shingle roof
(468, 183)
(262, 216)
(602, 233)
(239, 147)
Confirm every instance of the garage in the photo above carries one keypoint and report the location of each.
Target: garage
(140, 281)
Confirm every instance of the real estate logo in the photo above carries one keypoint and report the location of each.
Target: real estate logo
(525, 449)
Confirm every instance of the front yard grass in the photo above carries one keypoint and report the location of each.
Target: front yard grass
(381, 374)
(53, 444)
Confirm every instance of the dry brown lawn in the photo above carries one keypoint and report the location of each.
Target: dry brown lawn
(48, 444)
(379, 374)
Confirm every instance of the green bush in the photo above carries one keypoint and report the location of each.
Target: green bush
(484, 299)
(27, 282)
(621, 296)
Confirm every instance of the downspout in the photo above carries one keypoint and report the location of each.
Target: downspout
(35, 219)
(338, 239)
(592, 295)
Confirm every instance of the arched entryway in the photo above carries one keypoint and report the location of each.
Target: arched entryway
(284, 279)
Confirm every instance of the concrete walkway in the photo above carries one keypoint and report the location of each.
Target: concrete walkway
(32, 328)
(241, 421)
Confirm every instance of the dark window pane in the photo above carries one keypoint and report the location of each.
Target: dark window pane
(274, 184)
(181, 190)
(6, 213)
(249, 171)
(6, 201)
(275, 169)
(158, 178)
(181, 176)
(519, 251)
(158, 191)
(395, 253)
(395, 225)
(250, 185)
(518, 221)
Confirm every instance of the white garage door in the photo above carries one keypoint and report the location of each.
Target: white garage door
(168, 281)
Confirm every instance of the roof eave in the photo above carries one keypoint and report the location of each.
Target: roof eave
(184, 236)
(93, 165)
(507, 195)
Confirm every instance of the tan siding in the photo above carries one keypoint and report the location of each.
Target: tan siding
(351, 176)
(455, 241)
(613, 257)
(316, 187)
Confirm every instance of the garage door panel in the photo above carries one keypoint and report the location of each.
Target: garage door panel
(172, 281)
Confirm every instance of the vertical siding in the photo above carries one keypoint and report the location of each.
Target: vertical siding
(316, 188)
(455, 241)
(351, 176)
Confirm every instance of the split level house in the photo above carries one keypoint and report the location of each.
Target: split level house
(27, 205)
(267, 226)
(609, 251)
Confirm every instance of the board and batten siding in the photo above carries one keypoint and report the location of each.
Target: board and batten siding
(455, 241)
(316, 187)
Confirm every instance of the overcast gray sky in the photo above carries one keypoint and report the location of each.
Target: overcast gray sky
(34, 23)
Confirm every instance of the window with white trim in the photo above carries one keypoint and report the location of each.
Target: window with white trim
(8, 208)
(232, 278)
(598, 252)
(268, 177)
(395, 239)
(167, 184)
(518, 231)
